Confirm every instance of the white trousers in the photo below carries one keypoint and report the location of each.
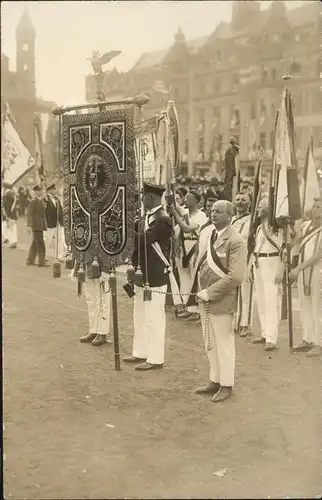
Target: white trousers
(149, 325)
(51, 241)
(98, 304)
(243, 306)
(310, 309)
(4, 227)
(268, 297)
(185, 275)
(9, 231)
(222, 357)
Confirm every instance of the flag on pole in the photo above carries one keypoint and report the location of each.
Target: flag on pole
(16, 159)
(286, 181)
(256, 195)
(38, 148)
(271, 193)
(311, 188)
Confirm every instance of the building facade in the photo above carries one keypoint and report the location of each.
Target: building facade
(230, 83)
(18, 90)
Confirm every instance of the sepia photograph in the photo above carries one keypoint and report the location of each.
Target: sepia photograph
(161, 166)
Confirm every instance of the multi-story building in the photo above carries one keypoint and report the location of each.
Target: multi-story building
(230, 83)
(18, 89)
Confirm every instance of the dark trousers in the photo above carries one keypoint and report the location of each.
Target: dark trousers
(37, 247)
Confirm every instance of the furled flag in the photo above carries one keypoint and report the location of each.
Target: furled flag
(287, 190)
(38, 146)
(311, 188)
(16, 159)
(256, 195)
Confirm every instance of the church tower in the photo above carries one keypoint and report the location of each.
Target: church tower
(25, 55)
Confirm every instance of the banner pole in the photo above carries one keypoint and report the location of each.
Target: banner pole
(289, 286)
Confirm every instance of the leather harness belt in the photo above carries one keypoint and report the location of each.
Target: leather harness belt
(274, 254)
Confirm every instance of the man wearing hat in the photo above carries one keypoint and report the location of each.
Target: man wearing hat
(10, 214)
(36, 223)
(54, 221)
(190, 224)
(151, 255)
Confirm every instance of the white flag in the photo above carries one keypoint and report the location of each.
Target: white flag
(310, 186)
(17, 160)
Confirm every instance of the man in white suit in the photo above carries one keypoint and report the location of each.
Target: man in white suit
(219, 270)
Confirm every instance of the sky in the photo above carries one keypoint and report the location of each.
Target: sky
(67, 33)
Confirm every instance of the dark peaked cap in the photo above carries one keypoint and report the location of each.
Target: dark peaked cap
(52, 186)
(149, 188)
(36, 188)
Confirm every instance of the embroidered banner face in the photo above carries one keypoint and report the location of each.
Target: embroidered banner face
(99, 188)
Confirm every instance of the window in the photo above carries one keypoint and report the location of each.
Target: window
(209, 88)
(274, 74)
(217, 86)
(186, 146)
(235, 82)
(297, 102)
(276, 37)
(201, 117)
(215, 115)
(218, 56)
(253, 110)
(201, 147)
(262, 112)
(25, 67)
(262, 140)
(317, 137)
(25, 47)
(235, 118)
(201, 87)
(264, 73)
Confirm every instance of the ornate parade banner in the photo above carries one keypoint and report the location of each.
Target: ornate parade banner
(99, 187)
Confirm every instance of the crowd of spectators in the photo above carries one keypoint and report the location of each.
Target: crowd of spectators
(209, 189)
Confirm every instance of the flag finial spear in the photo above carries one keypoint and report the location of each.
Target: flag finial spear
(286, 78)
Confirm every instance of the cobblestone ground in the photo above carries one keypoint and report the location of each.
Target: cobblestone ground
(75, 428)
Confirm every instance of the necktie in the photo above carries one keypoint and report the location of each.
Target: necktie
(214, 236)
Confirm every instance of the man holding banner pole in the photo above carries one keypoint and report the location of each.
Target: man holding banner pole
(307, 273)
(286, 206)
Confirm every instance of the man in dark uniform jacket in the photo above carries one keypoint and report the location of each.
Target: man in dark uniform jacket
(10, 214)
(54, 222)
(152, 250)
(36, 222)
